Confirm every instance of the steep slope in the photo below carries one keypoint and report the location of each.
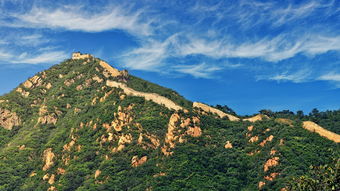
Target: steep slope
(83, 125)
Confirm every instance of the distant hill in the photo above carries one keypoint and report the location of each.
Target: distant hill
(84, 125)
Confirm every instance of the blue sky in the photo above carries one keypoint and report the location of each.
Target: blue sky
(249, 55)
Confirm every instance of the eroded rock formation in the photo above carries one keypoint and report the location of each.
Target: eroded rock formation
(48, 157)
(9, 119)
(135, 161)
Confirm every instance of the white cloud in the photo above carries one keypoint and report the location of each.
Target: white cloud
(42, 58)
(151, 55)
(201, 70)
(4, 55)
(31, 40)
(276, 49)
(74, 18)
(45, 57)
(299, 76)
(330, 77)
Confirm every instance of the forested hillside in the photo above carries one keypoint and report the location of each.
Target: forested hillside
(66, 128)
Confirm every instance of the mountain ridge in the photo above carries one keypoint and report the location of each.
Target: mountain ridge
(94, 127)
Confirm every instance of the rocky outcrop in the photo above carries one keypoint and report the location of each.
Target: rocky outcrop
(268, 139)
(313, 127)
(228, 145)
(254, 139)
(271, 176)
(35, 81)
(123, 140)
(271, 163)
(52, 188)
(51, 179)
(148, 96)
(209, 109)
(148, 141)
(48, 158)
(45, 117)
(69, 82)
(178, 128)
(258, 117)
(194, 131)
(23, 92)
(97, 173)
(9, 119)
(61, 171)
(261, 184)
(135, 161)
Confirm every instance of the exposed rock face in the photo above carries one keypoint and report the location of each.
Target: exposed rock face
(33, 174)
(313, 127)
(51, 180)
(148, 96)
(97, 79)
(8, 119)
(135, 161)
(45, 118)
(194, 131)
(52, 188)
(261, 184)
(254, 139)
(268, 139)
(123, 140)
(97, 173)
(61, 171)
(48, 159)
(46, 176)
(271, 163)
(220, 113)
(69, 82)
(69, 145)
(22, 92)
(155, 143)
(258, 117)
(35, 81)
(271, 176)
(178, 128)
(228, 145)
(170, 137)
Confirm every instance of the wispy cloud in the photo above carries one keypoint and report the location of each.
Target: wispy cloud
(335, 77)
(77, 19)
(42, 58)
(47, 56)
(275, 49)
(202, 70)
(197, 40)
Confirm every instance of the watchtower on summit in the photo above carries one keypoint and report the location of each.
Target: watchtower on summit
(78, 55)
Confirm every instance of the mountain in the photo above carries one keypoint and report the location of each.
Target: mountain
(84, 125)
